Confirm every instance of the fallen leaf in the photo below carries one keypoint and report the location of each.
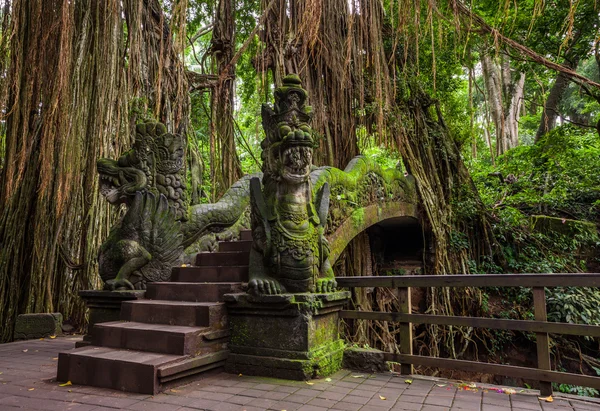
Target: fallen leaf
(358, 376)
(240, 375)
(41, 339)
(1, 373)
(69, 390)
(65, 384)
(31, 389)
(25, 350)
(53, 336)
(547, 399)
(55, 358)
(328, 379)
(441, 385)
(509, 391)
(310, 383)
(408, 381)
(381, 397)
(172, 390)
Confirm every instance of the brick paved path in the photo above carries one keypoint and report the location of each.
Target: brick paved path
(27, 370)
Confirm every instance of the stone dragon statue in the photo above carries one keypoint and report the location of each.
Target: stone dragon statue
(292, 213)
(290, 252)
(159, 225)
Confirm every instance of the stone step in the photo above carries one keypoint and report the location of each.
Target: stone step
(220, 259)
(186, 367)
(224, 274)
(192, 314)
(191, 291)
(225, 246)
(246, 235)
(133, 371)
(105, 367)
(159, 338)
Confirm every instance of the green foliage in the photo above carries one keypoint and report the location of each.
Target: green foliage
(576, 305)
(557, 176)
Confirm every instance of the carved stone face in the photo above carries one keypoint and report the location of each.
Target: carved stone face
(297, 162)
(118, 184)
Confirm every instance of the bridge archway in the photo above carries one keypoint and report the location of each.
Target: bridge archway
(396, 224)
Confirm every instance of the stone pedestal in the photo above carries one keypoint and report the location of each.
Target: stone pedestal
(105, 306)
(290, 336)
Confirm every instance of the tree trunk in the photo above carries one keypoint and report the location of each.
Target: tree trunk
(505, 98)
(550, 113)
(68, 104)
(222, 48)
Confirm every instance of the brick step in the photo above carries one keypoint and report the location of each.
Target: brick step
(186, 367)
(246, 235)
(225, 246)
(159, 338)
(220, 259)
(191, 291)
(104, 367)
(224, 274)
(192, 314)
(133, 371)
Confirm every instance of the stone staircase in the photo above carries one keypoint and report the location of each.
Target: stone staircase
(179, 330)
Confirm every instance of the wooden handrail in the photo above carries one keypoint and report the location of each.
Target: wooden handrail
(473, 280)
(540, 326)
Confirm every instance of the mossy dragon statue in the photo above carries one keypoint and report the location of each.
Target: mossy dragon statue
(159, 225)
(300, 214)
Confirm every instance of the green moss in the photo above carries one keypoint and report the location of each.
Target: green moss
(358, 217)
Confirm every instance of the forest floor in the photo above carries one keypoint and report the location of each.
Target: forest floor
(28, 371)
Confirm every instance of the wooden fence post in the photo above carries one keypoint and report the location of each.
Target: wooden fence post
(406, 336)
(542, 339)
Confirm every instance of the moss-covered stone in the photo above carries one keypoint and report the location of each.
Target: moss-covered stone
(293, 336)
(546, 224)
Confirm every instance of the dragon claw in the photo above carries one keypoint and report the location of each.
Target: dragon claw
(326, 285)
(118, 285)
(265, 286)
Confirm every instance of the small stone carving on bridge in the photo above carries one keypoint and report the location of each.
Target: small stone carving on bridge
(290, 252)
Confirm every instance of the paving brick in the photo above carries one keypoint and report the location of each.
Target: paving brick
(492, 407)
(355, 399)
(252, 393)
(42, 404)
(445, 401)
(285, 405)
(148, 406)
(434, 408)
(380, 404)
(347, 406)
(286, 389)
(411, 398)
(203, 404)
(239, 400)
(263, 403)
(331, 395)
(302, 399)
(265, 387)
(312, 408)
(226, 406)
(341, 390)
(408, 406)
(347, 384)
(322, 402)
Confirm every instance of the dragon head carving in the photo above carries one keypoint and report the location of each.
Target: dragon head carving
(289, 143)
(155, 164)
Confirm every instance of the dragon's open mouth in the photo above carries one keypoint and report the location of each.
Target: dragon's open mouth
(296, 163)
(109, 187)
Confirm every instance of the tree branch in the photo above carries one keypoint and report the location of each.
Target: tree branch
(460, 9)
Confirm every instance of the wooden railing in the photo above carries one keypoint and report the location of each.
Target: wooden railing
(539, 326)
